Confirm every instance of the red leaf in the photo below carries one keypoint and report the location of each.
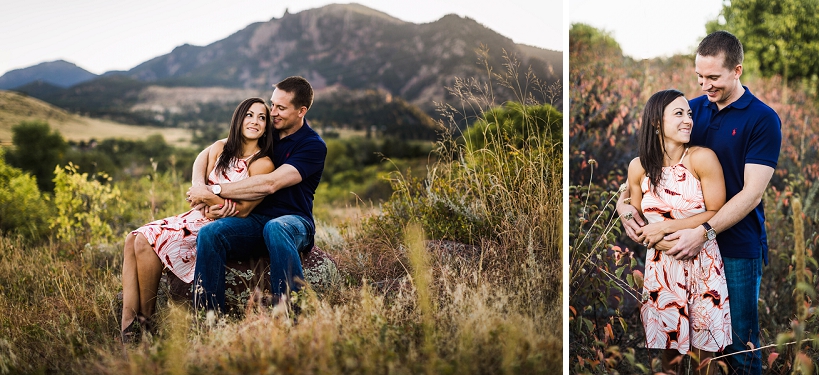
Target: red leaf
(771, 358)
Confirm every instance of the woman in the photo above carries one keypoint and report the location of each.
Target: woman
(171, 242)
(674, 186)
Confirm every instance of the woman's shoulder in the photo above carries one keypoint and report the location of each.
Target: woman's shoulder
(635, 165)
(216, 149)
(261, 165)
(219, 145)
(635, 169)
(699, 154)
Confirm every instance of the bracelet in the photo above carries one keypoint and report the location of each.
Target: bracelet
(627, 200)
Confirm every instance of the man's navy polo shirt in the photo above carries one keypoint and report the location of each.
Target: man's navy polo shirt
(746, 131)
(305, 151)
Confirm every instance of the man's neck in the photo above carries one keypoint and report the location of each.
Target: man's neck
(291, 131)
(735, 95)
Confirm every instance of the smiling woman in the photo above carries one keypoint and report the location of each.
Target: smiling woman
(673, 186)
(171, 242)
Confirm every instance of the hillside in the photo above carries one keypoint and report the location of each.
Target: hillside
(58, 73)
(348, 45)
(15, 107)
(346, 51)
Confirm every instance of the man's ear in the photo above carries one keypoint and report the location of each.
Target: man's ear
(302, 111)
(738, 70)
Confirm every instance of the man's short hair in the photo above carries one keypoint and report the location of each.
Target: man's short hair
(301, 89)
(725, 43)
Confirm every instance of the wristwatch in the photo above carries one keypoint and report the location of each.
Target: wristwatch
(216, 189)
(710, 233)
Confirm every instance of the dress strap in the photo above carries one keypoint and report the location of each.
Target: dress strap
(250, 156)
(683, 155)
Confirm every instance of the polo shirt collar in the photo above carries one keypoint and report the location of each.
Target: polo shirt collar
(298, 135)
(743, 102)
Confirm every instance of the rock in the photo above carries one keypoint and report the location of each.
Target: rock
(242, 277)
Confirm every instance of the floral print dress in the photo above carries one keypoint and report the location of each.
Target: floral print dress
(174, 238)
(684, 303)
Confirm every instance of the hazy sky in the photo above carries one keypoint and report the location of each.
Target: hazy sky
(103, 35)
(648, 28)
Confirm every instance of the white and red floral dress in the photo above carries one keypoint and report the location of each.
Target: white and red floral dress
(174, 238)
(684, 303)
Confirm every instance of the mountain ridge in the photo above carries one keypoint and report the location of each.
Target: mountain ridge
(59, 73)
(338, 48)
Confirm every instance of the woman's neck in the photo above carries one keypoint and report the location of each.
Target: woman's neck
(250, 147)
(673, 154)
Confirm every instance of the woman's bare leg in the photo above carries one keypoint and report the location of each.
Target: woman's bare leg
(149, 270)
(130, 283)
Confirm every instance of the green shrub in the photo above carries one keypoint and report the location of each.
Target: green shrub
(23, 209)
(37, 149)
(84, 206)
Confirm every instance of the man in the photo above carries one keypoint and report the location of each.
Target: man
(746, 135)
(283, 222)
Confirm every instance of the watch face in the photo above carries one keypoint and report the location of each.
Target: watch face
(712, 234)
(216, 189)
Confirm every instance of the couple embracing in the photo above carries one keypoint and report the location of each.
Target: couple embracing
(694, 199)
(251, 196)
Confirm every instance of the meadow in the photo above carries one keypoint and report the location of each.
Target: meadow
(607, 94)
(16, 107)
(457, 270)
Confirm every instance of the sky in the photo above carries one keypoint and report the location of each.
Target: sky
(648, 28)
(104, 35)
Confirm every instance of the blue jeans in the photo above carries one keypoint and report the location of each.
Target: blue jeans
(743, 277)
(244, 238)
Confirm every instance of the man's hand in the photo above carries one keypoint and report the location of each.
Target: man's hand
(689, 243)
(197, 195)
(631, 220)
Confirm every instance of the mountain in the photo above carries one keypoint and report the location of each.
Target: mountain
(387, 71)
(350, 46)
(58, 73)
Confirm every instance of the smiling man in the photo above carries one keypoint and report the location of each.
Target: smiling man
(745, 134)
(282, 225)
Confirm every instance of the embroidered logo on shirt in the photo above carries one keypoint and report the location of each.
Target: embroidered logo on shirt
(734, 132)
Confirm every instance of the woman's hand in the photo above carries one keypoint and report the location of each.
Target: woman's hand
(631, 220)
(221, 211)
(650, 234)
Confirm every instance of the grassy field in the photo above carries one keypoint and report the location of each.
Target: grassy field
(458, 271)
(15, 108)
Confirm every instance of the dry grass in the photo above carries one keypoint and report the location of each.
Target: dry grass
(16, 108)
(405, 306)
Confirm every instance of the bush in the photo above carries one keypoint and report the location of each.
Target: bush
(23, 209)
(37, 149)
(84, 206)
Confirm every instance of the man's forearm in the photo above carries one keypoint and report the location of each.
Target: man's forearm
(734, 210)
(259, 186)
(757, 178)
(249, 189)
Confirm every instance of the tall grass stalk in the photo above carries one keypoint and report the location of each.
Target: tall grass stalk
(802, 364)
(421, 277)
